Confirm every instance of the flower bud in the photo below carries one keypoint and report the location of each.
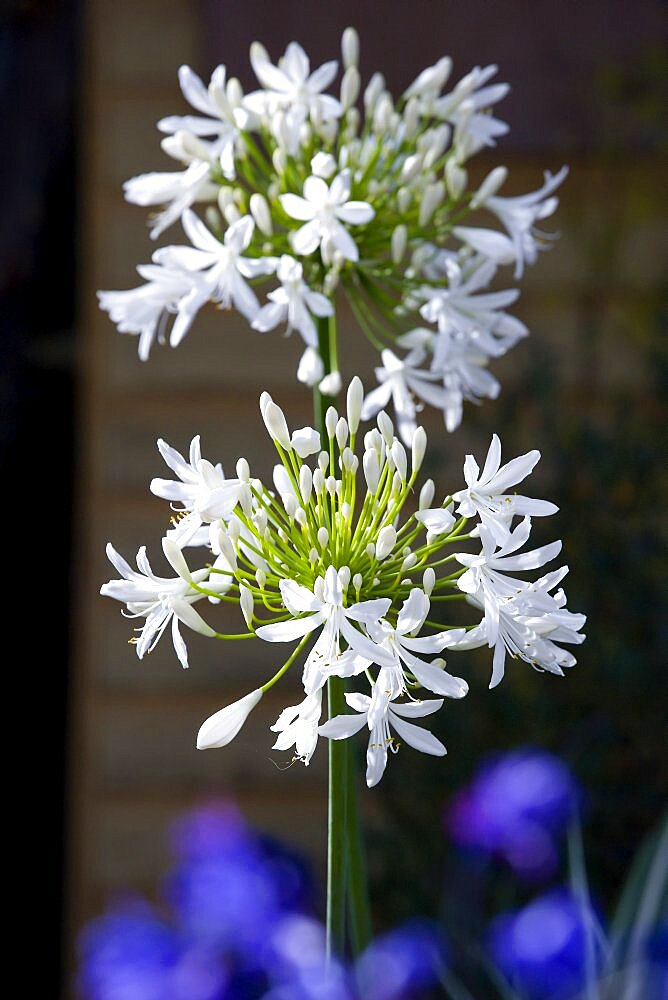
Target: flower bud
(290, 504)
(456, 178)
(318, 481)
(323, 462)
(491, 184)
(418, 448)
(350, 48)
(313, 556)
(221, 728)
(331, 418)
(404, 197)
(341, 432)
(431, 199)
(323, 165)
(399, 459)
(260, 211)
(323, 537)
(411, 118)
(350, 87)
(234, 92)
(386, 428)
(371, 467)
(246, 499)
(411, 168)
(440, 138)
(275, 422)
(300, 516)
(344, 576)
(305, 441)
(331, 485)
(382, 113)
(347, 460)
(243, 470)
(374, 89)
(305, 482)
(371, 550)
(234, 528)
(280, 160)
(428, 580)
(261, 578)
(232, 214)
(247, 604)
(426, 495)
(387, 538)
(358, 581)
(265, 399)
(176, 559)
(409, 561)
(354, 400)
(398, 243)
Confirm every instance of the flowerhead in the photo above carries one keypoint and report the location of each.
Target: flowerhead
(368, 194)
(348, 564)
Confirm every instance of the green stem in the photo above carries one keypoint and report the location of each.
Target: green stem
(358, 889)
(336, 827)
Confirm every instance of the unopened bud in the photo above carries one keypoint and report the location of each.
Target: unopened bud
(323, 537)
(409, 561)
(398, 243)
(427, 495)
(323, 462)
(491, 184)
(399, 459)
(387, 538)
(350, 87)
(341, 432)
(276, 424)
(431, 199)
(428, 580)
(374, 89)
(243, 470)
(418, 448)
(371, 467)
(404, 198)
(247, 604)
(318, 481)
(358, 581)
(350, 48)
(354, 400)
(456, 178)
(386, 428)
(344, 576)
(261, 578)
(305, 482)
(260, 212)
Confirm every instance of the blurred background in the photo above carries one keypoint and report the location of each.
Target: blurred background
(83, 83)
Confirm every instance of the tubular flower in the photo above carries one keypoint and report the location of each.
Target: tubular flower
(315, 190)
(335, 562)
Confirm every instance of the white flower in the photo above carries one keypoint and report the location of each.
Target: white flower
(222, 120)
(201, 488)
(520, 214)
(144, 310)
(437, 521)
(159, 600)
(324, 208)
(221, 728)
(486, 492)
(291, 86)
(222, 268)
(325, 608)
(398, 380)
(323, 165)
(298, 726)
(402, 645)
(294, 301)
(177, 189)
(380, 740)
(460, 307)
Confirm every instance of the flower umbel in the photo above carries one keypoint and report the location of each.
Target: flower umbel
(308, 196)
(336, 561)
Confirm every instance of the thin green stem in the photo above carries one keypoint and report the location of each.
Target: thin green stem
(337, 845)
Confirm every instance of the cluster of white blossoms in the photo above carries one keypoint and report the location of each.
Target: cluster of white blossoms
(308, 194)
(336, 562)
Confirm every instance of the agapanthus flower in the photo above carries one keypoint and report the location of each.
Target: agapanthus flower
(345, 193)
(334, 561)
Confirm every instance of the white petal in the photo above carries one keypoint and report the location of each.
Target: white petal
(298, 599)
(343, 726)
(419, 739)
(297, 207)
(287, 631)
(355, 213)
(413, 612)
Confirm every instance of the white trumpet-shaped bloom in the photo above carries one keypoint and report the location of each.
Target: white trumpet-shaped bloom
(294, 303)
(324, 209)
(380, 739)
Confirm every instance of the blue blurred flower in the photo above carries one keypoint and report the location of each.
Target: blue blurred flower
(515, 808)
(542, 948)
(405, 959)
(131, 954)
